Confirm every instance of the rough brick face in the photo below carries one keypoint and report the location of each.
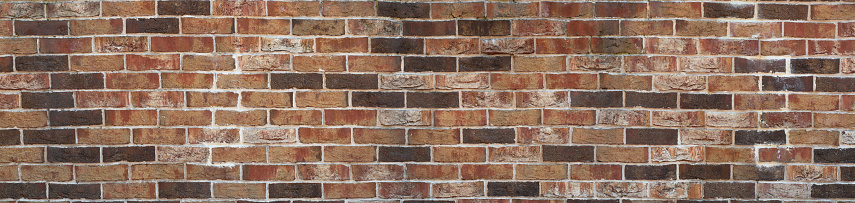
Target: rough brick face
(426, 101)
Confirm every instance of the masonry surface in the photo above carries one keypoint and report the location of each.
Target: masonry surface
(169, 101)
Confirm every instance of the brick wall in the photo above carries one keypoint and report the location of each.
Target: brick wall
(143, 101)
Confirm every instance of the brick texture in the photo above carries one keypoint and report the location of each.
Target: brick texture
(416, 101)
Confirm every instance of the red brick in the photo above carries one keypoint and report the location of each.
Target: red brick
(323, 172)
(120, 44)
(128, 8)
(350, 190)
(595, 172)
(678, 46)
(487, 171)
(159, 135)
(132, 81)
(87, 99)
(239, 8)
(211, 135)
(129, 190)
(314, 63)
(268, 172)
(182, 44)
(130, 117)
(507, 46)
(207, 25)
(294, 154)
(346, 45)
(562, 45)
(97, 63)
(19, 45)
(153, 62)
(374, 63)
(239, 154)
(660, 9)
(236, 44)
(324, 135)
(460, 118)
(242, 81)
(752, 29)
(458, 10)
(349, 9)
(635, 28)
(263, 26)
(188, 117)
(451, 46)
(158, 99)
(809, 30)
(786, 155)
(241, 118)
(187, 80)
(783, 47)
(270, 62)
(296, 8)
(729, 47)
(208, 62)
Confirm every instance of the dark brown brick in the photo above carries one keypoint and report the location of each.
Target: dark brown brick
(47, 100)
(23, 190)
(378, 99)
(430, 64)
(596, 99)
(404, 154)
(706, 101)
(651, 172)
(397, 45)
(76, 118)
(815, 66)
(432, 100)
(352, 81)
(728, 10)
(782, 11)
(834, 155)
(6, 64)
(796, 84)
(152, 25)
(651, 100)
(489, 135)
(705, 172)
(172, 190)
(752, 137)
(129, 154)
(41, 63)
(746, 65)
(835, 84)
(484, 27)
(429, 28)
(759, 173)
(513, 189)
(403, 10)
(617, 45)
(650, 136)
(77, 81)
(48, 27)
(75, 191)
(10, 137)
(49, 136)
(73, 154)
(847, 173)
(729, 190)
(832, 191)
(184, 7)
(485, 63)
(296, 81)
(295, 190)
(558, 153)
